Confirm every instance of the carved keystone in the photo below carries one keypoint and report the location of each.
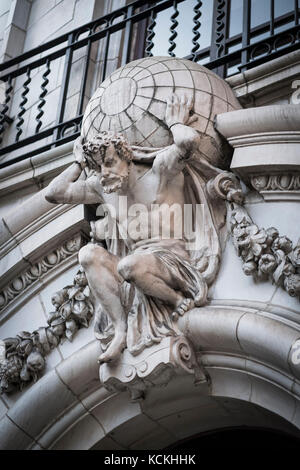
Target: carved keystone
(156, 365)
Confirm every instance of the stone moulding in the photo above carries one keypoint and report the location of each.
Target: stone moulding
(281, 182)
(35, 169)
(256, 86)
(277, 186)
(266, 142)
(18, 285)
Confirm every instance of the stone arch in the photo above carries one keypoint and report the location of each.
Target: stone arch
(250, 385)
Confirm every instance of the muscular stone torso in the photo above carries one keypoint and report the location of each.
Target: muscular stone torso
(150, 196)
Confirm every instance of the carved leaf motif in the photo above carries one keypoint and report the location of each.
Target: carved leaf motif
(23, 358)
(265, 253)
(25, 374)
(249, 268)
(267, 264)
(35, 361)
(25, 347)
(282, 182)
(18, 285)
(292, 285)
(52, 339)
(294, 257)
(272, 233)
(241, 217)
(249, 241)
(282, 243)
(65, 310)
(71, 329)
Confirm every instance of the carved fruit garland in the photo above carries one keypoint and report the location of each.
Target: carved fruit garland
(266, 255)
(22, 358)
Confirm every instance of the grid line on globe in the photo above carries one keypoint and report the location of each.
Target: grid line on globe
(132, 100)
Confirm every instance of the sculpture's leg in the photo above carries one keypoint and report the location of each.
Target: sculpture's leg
(104, 281)
(151, 276)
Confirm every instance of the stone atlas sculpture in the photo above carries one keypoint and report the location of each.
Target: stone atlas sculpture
(149, 157)
(147, 136)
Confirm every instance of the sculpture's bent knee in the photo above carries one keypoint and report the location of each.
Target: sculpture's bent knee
(130, 267)
(91, 252)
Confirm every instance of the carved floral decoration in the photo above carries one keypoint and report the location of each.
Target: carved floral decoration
(281, 182)
(22, 358)
(265, 254)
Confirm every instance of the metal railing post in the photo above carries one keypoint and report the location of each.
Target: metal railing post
(64, 86)
(246, 32)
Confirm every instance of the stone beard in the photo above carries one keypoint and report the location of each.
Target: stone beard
(112, 184)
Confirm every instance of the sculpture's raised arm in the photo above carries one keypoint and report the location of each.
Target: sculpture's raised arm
(186, 139)
(71, 187)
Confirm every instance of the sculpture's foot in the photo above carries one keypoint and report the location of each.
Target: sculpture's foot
(183, 307)
(113, 352)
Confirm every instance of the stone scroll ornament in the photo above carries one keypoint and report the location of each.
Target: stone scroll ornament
(23, 357)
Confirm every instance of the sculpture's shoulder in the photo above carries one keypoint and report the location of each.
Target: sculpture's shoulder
(165, 159)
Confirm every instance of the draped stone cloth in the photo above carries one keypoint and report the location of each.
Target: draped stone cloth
(149, 319)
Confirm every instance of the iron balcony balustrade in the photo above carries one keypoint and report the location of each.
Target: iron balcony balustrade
(242, 51)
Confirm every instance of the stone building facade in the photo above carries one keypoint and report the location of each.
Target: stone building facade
(247, 336)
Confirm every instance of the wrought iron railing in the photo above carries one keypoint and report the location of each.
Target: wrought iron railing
(137, 22)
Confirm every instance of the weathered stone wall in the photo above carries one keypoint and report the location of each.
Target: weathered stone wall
(4, 14)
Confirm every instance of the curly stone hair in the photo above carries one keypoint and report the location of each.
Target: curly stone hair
(95, 148)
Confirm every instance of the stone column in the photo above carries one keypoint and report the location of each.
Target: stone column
(266, 143)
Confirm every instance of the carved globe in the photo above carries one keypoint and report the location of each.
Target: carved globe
(132, 100)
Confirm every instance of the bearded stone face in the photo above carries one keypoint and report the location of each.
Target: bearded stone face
(114, 171)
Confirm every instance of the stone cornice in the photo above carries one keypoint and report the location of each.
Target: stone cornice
(32, 227)
(38, 270)
(254, 86)
(35, 169)
(266, 142)
(256, 121)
